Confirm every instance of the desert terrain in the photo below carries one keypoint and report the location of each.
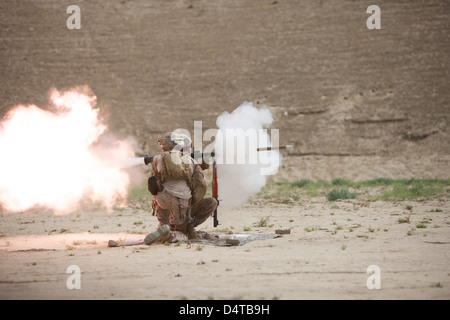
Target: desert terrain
(357, 104)
(326, 255)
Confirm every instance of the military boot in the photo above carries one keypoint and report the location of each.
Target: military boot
(187, 229)
(160, 235)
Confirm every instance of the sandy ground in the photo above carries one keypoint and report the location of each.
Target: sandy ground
(325, 256)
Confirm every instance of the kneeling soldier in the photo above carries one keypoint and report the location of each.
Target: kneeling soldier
(178, 187)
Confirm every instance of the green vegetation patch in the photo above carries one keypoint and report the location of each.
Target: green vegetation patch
(336, 194)
(292, 192)
(386, 189)
(413, 189)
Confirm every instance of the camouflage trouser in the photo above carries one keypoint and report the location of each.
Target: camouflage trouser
(170, 209)
(176, 212)
(203, 209)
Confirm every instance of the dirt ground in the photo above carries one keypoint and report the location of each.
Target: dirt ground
(325, 256)
(356, 103)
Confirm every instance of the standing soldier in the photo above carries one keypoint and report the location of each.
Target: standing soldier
(178, 187)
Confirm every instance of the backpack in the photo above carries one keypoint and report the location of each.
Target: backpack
(198, 185)
(170, 171)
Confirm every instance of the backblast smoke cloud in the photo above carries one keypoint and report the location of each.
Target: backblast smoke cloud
(241, 133)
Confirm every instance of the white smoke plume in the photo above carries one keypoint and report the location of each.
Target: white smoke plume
(57, 159)
(241, 169)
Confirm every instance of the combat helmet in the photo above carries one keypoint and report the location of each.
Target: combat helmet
(171, 139)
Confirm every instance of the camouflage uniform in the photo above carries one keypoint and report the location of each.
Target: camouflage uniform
(174, 212)
(173, 207)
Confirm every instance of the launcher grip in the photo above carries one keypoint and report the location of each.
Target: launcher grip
(215, 193)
